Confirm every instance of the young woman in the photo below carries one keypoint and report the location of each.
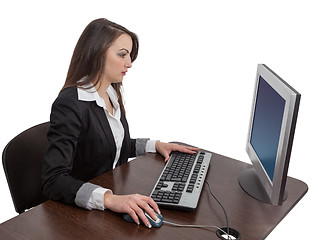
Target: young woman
(88, 132)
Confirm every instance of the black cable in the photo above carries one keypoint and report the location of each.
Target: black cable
(227, 224)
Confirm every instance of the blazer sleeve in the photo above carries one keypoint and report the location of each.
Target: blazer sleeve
(63, 134)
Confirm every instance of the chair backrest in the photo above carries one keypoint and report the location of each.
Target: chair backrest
(22, 162)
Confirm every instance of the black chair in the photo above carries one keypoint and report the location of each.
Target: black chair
(22, 163)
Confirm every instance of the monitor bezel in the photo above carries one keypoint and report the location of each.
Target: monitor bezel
(275, 189)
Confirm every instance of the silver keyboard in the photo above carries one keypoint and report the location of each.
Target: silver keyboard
(181, 181)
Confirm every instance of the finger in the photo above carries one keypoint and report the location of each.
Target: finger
(190, 150)
(166, 156)
(194, 149)
(153, 204)
(150, 212)
(134, 216)
(150, 207)
(141, 215)
(179, 147)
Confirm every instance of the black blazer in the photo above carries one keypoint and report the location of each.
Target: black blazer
(81, 146)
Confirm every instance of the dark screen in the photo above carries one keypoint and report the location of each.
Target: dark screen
(269, 110)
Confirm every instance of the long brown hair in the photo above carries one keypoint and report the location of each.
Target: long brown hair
(88, 58)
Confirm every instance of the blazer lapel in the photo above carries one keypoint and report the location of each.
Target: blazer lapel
(106, 127)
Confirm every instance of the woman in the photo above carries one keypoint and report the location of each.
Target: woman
(88, 132)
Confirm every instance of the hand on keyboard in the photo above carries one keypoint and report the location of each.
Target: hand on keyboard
(165, 149)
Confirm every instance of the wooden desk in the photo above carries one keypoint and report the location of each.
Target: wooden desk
(254, 220)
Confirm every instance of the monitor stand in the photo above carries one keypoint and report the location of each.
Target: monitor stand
(250, 183)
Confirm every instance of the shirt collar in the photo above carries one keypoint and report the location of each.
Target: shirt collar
(88, 93)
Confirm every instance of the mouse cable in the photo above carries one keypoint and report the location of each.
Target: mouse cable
(210, 191)
(196, 226)
(206, 226)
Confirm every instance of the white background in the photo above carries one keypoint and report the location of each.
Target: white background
(192, 81)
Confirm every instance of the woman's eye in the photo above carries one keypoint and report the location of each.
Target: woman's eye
(122, 55)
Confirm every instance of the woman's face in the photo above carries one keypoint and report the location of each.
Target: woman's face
(117, 59)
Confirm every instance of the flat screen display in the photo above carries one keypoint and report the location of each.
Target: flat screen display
(267, 122)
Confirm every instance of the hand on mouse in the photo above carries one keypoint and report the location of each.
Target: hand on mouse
(133, 205)
(165, 149)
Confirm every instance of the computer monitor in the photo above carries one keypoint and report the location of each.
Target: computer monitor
(270, 137)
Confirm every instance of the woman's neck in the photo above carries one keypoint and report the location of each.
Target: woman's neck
(102, 86)
(102, 91)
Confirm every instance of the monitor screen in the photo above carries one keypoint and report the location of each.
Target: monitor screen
(266, 127)
(270, 136)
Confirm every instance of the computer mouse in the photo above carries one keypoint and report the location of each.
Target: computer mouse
(157, 223)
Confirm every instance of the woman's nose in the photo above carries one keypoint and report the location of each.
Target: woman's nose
(128, 63)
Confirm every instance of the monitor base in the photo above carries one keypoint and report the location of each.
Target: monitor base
(250, 183)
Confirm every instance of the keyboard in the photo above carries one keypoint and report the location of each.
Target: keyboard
(180, 184)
